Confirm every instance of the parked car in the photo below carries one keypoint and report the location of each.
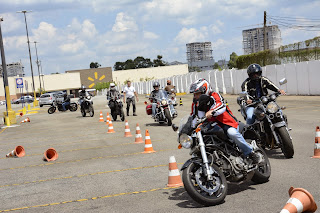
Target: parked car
(47, 99)
(24, 99)
(3, 102)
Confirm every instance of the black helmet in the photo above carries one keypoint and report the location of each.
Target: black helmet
(254, 68)
(156, 84)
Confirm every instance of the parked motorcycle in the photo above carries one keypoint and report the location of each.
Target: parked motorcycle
(116, 107)
(163, 109)
(215, 162)
(271, 126)
(86, 106)
(56, 104)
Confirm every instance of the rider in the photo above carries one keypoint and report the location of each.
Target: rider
(170, 88)
(212, 105)
(112, 95)
(83, 94)
(256, 86)
(66, 101)
(153, 96)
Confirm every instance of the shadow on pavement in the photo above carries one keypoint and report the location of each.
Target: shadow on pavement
(156, 124)
(275, 154)
(180, 194)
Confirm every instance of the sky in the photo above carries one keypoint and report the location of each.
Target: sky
(70, 34)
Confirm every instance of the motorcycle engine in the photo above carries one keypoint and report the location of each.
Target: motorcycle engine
(238, 163)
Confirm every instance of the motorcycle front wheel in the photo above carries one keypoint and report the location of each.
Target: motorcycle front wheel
(168, 116)
(208, 193)
(83, 113)
(286, 142)
(73, 107)
(51, 109)
(91, 111)
(122, 115)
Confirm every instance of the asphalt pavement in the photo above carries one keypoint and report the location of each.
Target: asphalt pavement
(101, 172)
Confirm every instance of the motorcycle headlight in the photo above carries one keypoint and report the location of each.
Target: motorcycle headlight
(264, 99)
(164, 102)
(273, 97)
(185, 141)
(272, 107)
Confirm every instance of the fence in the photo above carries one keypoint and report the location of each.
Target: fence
(302, 79)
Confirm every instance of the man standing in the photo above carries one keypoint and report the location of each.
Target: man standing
(170, 88)
(129, 92)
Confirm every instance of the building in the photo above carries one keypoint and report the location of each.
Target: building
(253, 39)
(199, 54)
(14, 69)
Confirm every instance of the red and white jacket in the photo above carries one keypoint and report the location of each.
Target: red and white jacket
(222, 115)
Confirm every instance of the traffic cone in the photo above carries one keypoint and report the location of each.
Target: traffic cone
(300, 201)
(138, 135)
(101, 117)
(50, 155)
(25, 120)
(180, 102)
(127, 132)
(174, 179)
(148, 145)
(110, 128)
(18, 152)
(317, 144)
(108, 119)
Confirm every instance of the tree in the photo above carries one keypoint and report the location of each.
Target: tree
(194, 69)
(129, 64)
(141, 62)
(216, 66)
(158, 62)
(233, 60)
(118, 66)
(94, 65)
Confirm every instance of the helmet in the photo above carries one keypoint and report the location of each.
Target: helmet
(83, 88)
(254, 68)
(156, 84)
(201, 85)
(112, 86)
(168, 82)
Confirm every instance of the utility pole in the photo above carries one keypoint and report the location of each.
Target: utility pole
(35, 44)
(265, 31)
(9, 115)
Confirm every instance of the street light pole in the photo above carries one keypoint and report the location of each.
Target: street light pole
(42, 76)
(9, 115)
(35, 44)
(35, 103)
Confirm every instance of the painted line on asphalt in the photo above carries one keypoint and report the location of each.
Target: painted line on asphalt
(80, 160)
(84, 175)
(89, 199)
(3, 130)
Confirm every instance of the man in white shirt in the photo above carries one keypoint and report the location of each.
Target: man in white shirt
(128, 95)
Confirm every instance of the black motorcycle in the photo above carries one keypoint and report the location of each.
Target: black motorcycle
(72, 107)
(116, 107)
(271, 126)
(216, 161)
(86, 106)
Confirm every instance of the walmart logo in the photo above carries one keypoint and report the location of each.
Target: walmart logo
(95, 78)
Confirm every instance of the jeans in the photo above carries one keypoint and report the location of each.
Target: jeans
(64, 105)
(154, 106)
(236, 137)
(250, 116)
(131, 100)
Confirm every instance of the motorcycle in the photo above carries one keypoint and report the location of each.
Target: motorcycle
(163, 109)
(56, 104)
(216, 161)
(116, 109)
(271, 125)
(86, 106)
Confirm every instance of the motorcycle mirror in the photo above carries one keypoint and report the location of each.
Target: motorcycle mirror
(283, 81)
(283, 107)
(243, 94)
(174, 127)
(145, 103)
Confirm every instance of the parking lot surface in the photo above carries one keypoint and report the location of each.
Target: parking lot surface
(101, 172)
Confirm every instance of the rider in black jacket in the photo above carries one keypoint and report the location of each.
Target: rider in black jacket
(256, 86)
(66, 101)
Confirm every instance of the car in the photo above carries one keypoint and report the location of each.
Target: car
(47, 99)
(3, 102)
(24, 99)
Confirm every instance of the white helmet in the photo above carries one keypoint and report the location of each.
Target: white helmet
(112, 85)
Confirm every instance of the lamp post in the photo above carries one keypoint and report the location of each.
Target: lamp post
(9, 115)
(42, 76)
(35, 103)
(35, 44)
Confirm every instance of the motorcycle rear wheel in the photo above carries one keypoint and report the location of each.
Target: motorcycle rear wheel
(196, 189)
(51, 109)
(73, 107)
(263, 173)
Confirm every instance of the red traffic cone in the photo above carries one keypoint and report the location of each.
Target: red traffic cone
(148, 145)
(127, 132)
(138, 135)
(317, 144)
(50, 155)
(300, 201)
(18, 152)
(174, 178)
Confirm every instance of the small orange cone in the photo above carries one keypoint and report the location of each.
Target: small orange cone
(174, 179)
(300, 201)
(317, 144)
(108, 119)
(138, 135)
(25, 120)
(148, 145)
(127, 132)
(101, 117)
(18, 152)
(110, 128)
(50, 155)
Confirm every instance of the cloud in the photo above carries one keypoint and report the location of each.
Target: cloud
(150, 35)
(191, 35)
(11, 23)
(89, 29)
(72, 47)
(123, 23)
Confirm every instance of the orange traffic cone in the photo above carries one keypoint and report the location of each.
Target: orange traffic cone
(317, 144)
(18, 152)
(50, 155)
(148, 145)
(300, 201)
(127, 132)
(138, 135)
(101, 117)
(174, 178)
(25, 120)
(110, 128)
(108, 119)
